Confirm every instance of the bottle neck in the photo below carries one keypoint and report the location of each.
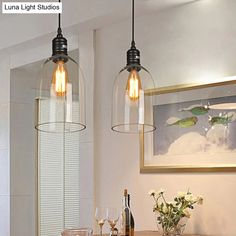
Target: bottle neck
(126, 201)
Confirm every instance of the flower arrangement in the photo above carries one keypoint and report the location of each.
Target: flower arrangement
(172, 216)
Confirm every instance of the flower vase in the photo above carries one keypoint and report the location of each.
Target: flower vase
(171, 228)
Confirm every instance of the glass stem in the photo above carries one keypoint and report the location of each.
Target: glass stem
(100, 230)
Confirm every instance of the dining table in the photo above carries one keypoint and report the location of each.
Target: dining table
(156, 233)
(153, 233)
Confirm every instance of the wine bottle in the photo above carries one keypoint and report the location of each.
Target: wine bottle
(127, 220)
(131, 218)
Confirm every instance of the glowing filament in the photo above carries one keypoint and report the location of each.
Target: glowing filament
(133, 85)
(59, 79)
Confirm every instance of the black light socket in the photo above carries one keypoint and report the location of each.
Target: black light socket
(59, 46)
(133, 57)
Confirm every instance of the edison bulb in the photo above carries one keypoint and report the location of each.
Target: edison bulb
(133, 85)
(60, 79)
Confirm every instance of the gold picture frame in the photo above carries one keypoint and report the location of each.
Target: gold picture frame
(211, 165)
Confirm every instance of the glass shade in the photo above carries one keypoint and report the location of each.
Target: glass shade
(132, 110)
(60, 101)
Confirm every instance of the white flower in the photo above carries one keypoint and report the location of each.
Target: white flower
(189, 198)
(152, 192)
(186, 213)
(199, 200)
(165, 209)
(156, 207)
(172, 203)
(161, 191)
(175, 204)
(181, 194)
(194, 200)
(180, 206)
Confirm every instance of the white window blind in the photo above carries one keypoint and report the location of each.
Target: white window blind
(58, 182)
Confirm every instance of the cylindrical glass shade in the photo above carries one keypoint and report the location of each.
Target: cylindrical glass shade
(132, 103)
(61, 101)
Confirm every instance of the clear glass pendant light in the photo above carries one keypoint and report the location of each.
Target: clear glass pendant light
(132, 94)
(61, 100)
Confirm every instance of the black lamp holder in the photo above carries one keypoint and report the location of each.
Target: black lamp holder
(59, 43)
(133, 54)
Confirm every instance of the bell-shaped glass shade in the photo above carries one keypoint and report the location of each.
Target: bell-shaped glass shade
(132, 103)
(60, 101)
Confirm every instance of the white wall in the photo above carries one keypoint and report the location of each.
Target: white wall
(5, 145)
(22, 154)
(86, 62)
(191, 43)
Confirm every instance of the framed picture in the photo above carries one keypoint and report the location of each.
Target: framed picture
(196, 129)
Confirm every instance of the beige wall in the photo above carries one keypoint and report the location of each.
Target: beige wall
(194, 42)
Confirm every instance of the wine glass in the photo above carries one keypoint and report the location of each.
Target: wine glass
(112, 217)
(100, 216)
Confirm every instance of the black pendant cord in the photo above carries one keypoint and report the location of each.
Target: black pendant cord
(59, 31)
(59, 43)
(132, 25)
(133, 54)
